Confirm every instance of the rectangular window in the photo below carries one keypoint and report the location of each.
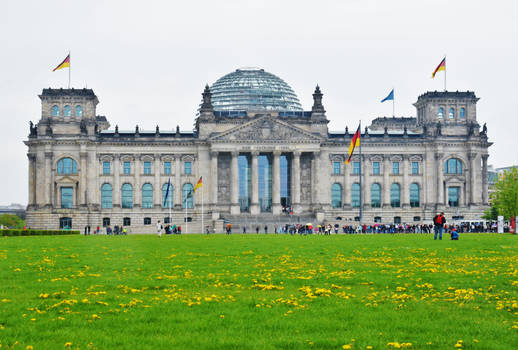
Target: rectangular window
(187, 167)
(126, 221)
(356, 168)
(147, 168)
(453, 196)
(395, 168)
(106, 168)
(106, 222)
(375, 168)
(67, 197)
(167, 168)
(147, 221)
(127, 168)
(415, 168)
(167, 220)
(336, 168)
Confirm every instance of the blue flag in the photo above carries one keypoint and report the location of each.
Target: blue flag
(389, 97)
(167, 192)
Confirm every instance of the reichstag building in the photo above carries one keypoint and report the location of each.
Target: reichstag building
(261, 158)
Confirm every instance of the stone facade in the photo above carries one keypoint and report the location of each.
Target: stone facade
(419, 147)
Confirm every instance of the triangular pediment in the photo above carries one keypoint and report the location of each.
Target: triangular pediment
(66, 179)
(266, 129)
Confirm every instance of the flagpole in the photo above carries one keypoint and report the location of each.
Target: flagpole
(361, 199)
(202, 226)
(444, 73)
(393, 104)
(69, 68)
(170, 202)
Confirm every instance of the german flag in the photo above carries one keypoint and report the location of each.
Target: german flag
(199, 184)
(441, 66)
(355, 142)
(64, 64)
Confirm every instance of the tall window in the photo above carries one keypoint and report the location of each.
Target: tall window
(147, 196)
(415, 168)
(187, 196)
(375, 168)
(169, 201)
(414, 195)
(355, 195)
(440, 113)
(336, 168)
(127, 168)
(453, 166)
(453, 196)
(67, 166)
(356, 168)
(167, 168)
(264, 179)
(336, 195)
(106, 196)
(127, 196)
(395, 168)
(285, 172)
(395, 195)
(147, 168)
(451, 113)
(462, 113)
(67, 111)
(245, 182)
(79, 111)
(187, 168)
(67, 197)
(55, 111)
(106, 168)
(375, 195)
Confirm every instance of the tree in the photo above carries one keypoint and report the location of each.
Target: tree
(11, 221)
(505, 197)
(491, 214)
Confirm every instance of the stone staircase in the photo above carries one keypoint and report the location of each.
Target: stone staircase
(251, 222)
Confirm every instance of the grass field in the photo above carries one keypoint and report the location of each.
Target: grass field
(259, 292)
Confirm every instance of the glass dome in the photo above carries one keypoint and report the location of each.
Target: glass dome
(253, 89)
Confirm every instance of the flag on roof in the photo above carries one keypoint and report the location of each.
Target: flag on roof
(64, 64)
(441, 66)
(355, 142)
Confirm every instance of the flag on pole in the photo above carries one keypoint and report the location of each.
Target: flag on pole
(389, 97)
(64, 64)
(199, 184)
(167, 192)
(441, 66)
(355, 142)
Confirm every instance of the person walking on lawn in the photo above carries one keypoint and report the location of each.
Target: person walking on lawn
(438, 222)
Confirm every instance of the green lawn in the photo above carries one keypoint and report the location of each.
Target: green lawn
(259, 292)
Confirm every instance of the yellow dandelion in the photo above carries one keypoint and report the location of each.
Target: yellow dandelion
(368, 347)
(347, 346)
(68, 344)
(221, 316)
(29, 347)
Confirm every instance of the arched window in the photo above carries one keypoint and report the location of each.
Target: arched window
(395, 195)
(67, 111)
(355, 195)
(414, 195)
(375, 195)
(336, 195)
(55, 111)
(451, 113)
(169, 201)
(147, 196)
(462, 113)
(187, 196)
(453, 166)
(106, 196)
(67, 166)
(127, 196)
(79, 111)
(440, 113)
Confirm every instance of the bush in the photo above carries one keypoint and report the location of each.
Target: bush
(10, 232)
(12, 221)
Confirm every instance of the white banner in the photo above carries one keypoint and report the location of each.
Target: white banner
(500, 224)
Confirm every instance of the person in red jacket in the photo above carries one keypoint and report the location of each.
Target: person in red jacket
(438, 222)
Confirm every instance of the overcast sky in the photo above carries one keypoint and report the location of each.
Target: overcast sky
(148, 61)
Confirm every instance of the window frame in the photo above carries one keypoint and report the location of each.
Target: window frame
(336, 196)
(415, 168)
(126, 165)
(147, 167)
(79, 109)
(167, 167)
(395, 202)
(376, 168)
(356, 167)
(67, 111)
(106, 167)
(147, 196)
(336, 168)
(104, 196)
(54, 111)
(395, 168)
(187, 170)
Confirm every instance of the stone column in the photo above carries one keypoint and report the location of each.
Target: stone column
(116, 189)
(234, 184)
(48, 178)
(92, 179)
(366, 182)
(214, 178)
(441, 200)
(477, 179)
(484, 180)
(157, 198)
(347, 186)
(254, 207)
(83, 182)
(315, 179)
(32, 179)
(295, 182)
(386, 181)
(276, 183)
(137, 190)
(177, 184)
(405, 203)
